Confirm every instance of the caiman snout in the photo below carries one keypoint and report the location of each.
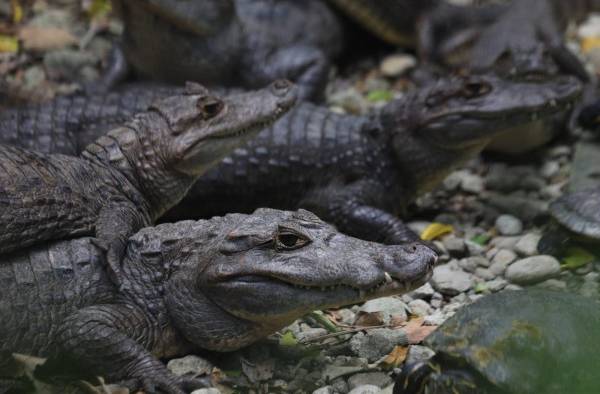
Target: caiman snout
(411, 263)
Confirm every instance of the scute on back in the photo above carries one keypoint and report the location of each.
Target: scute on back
(579, 212)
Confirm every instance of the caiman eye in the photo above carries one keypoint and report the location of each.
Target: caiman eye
(289, 241)
(210, 107)
(475, 89)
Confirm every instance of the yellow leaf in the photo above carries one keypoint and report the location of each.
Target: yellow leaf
(397, 356)
(288, 339)
(576, 257)
(590, 43)
(17, 11)
(99, 8)
(8, 44)
(436, 230)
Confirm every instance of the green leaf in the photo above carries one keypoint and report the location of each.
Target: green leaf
(288, 339)
(576, 257)
(379, 95)
(481, 239)
(481, 287)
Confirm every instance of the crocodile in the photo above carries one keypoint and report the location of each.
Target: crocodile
(357, 172)
(217, 284)
(235, 43)
(126, 179)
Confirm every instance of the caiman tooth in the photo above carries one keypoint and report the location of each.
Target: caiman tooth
(388, 277)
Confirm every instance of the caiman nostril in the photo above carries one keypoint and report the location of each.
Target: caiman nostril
(282, 86)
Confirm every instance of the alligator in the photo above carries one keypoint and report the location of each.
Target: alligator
(217, 284)
(235, 43)
(128, 178)
(357, 172)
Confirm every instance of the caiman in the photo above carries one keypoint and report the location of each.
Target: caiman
(217, 284)
(125, 180)
(235, 43)
(358, 172)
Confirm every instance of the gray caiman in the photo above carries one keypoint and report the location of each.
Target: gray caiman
(357, 172)
(128, 178)
(217, 284)
(234, 43)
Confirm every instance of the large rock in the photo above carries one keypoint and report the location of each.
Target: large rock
(450, 279)
(532, 270)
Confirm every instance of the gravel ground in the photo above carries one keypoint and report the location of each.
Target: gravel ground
(497, 209)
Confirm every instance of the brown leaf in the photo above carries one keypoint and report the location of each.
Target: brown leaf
(45, 38)
(369, 319)
(396, 356)
(416, 331)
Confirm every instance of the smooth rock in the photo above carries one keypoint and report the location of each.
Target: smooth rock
(524, 207)
(435, 319)
(423, 292)
(324, 390)
(349, 99)
(527, 244)
(210, 390)
(454, 245)
(474, 248)
(549, 169)
(496, 285)
(396, 65)
(366, 389)
(532, 270)
(471, 183)
(377, 343)
(419, 308)
(417, 353)
(553, 284)
(377, 379)
(311, 332)
(504, 257)
(388, 307)
(509, 225)
(451, 280)
(346, 316)
(504, 242)
(484, 273)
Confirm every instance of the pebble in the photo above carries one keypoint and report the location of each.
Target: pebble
(387, 307)
(454, 245)
(189, 365)
(470, 264)
(589, 289)
(396, 65)
(496, 285)
(346, 316)
(505, 242)
(417, 353)
(377, 379)
(527, 244)
(509, 225)
(377, 343)
(474, 248)
(67, 63)
(310, 332)
(324, 390)
(451, 280)
(504, 256)
(366, 389)
(553, 284)
(423, 292)
(435, 319)
(453, 181)
(549, 169)
(484, 273)
(471, 183)
(349, 99)
(525, 207)
(419, 308)
(210, 390)
(532, 270)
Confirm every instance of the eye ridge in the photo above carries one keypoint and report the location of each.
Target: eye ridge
(288, 240)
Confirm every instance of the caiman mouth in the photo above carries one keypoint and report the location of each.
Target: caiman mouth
(281, 108)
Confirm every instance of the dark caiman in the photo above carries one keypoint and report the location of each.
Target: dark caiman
(240, 43)
(355, 171)
(217, 284)
(125, 180)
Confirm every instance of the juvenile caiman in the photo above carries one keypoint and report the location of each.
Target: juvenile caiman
(128, 178)
(217, 284)
(240, 43)
(355, 171)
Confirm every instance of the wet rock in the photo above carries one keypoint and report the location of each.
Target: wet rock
(189, 365)
(377, 379)
(509, 225)
(396, 65)
(419, 308)
(527, 244)
(589, 289)
(387, 308)
(532, 270)
(377, 343)
(450, 279)
(366, 389)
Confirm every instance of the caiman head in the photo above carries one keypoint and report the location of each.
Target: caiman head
(163, 151)
(440, 127)
(250, 275)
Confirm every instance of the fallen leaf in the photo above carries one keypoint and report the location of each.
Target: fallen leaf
(396, 356)
(481, 239)
(416, 332)
(379, 95)
(45, 38)
(369, 319)
(590, 43)
(288, 339)
(98, 8)
(8, 44)
(436, 230)
(17, 11)
(576, 257)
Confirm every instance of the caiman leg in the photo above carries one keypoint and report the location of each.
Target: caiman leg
(350, 210)
(115, 339)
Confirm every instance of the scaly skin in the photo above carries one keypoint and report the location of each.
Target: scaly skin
(217, 284)
(360, 172)
(243, 43)
(127, 179)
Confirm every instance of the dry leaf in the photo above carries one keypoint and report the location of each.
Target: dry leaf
(590, 43)
(396, 356)
(416, 331)
(45, 38)
(17, 11)
(369, 319)
(8, 44)
(436, 230)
